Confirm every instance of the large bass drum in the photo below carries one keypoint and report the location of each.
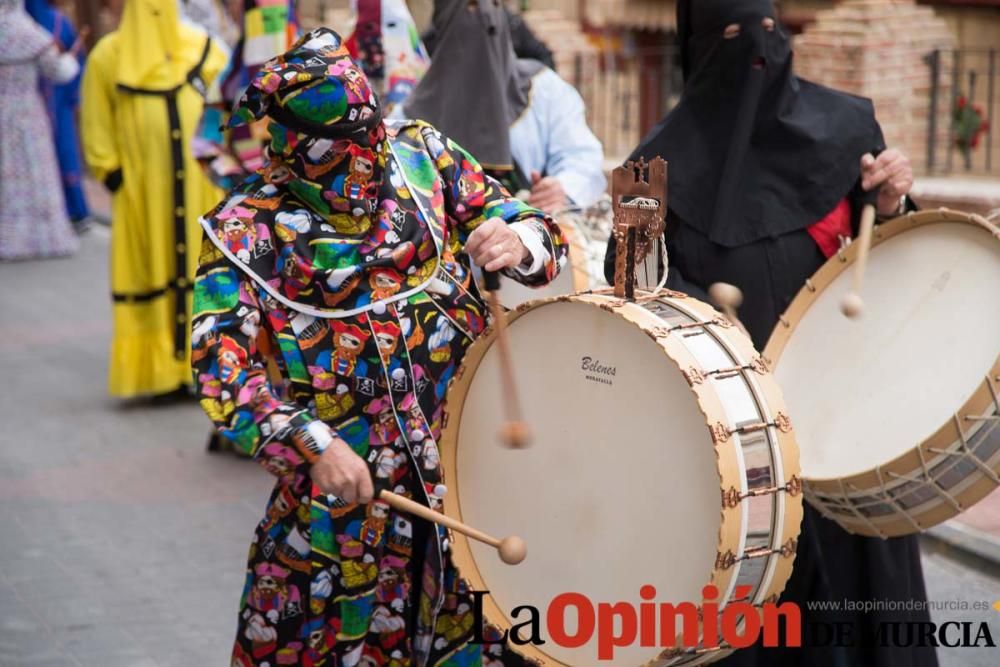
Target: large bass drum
(898, 412)
(662, 455)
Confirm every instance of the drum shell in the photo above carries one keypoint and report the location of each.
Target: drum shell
(726, 443)
(878, 502)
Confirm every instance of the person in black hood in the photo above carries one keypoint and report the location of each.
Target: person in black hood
(767, 172)
(766, 169)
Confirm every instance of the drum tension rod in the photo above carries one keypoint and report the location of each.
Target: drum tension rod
(728, 559)
(721, 433)
(758, 365)
(733, 497)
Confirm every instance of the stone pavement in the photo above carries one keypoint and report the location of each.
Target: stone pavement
(121, 542)
(984, 516)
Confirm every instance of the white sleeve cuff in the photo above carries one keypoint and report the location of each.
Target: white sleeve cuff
(538, 255)
(321, 434)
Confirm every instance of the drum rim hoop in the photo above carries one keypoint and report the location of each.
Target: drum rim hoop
(945, 435)
(729, 523)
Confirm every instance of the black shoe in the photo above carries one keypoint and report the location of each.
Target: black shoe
(214, 443)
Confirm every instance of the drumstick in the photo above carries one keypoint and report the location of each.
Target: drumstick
(852, 305)
(728, 298)
(512, 549)
(514, 432)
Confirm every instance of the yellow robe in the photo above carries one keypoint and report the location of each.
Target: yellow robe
(155, 233)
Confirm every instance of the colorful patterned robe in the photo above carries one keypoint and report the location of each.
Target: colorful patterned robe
(367, 320)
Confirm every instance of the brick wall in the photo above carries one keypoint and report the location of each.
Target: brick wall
(877, 49)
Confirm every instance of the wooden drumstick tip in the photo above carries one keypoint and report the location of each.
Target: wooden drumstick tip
(852, 306)
(726, 295)
(515, 434)
(512, 550)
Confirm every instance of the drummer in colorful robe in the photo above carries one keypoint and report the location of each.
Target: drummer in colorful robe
(344, 264)
(768, 173)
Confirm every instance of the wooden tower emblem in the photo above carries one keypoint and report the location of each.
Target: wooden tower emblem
(639, 198)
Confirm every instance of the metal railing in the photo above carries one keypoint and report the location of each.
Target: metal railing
(970, 78)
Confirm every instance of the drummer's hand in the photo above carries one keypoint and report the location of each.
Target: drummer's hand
(493, 245)
(341, 472)
(892, 173)
(547, 194)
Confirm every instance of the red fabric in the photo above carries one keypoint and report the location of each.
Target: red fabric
(827, 232)
(352, 45)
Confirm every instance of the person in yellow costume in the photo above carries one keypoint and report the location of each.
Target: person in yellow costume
(143, 94)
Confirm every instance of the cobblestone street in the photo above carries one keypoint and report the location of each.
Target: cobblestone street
(121, 541)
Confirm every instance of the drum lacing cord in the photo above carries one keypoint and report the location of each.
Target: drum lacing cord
(964, 450)
(849, 505)
(928, 480)
(990, 221)
(889, 500)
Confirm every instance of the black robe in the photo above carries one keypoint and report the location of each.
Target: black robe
(830, 564)
(757, 156)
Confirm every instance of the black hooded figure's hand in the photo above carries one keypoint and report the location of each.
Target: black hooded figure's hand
(892, 173)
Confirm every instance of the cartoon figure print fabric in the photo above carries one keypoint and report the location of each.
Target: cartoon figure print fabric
(340, 265)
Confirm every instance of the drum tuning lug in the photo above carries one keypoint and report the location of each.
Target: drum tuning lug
(693, 376)
(725, 561)
(760, 365)
(793, 486)
(731, 498)
(719, 432)
(783, 423)
(788, 548)
(659, 332)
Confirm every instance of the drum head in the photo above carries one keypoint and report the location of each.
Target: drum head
(866, 391)
(619, 488)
